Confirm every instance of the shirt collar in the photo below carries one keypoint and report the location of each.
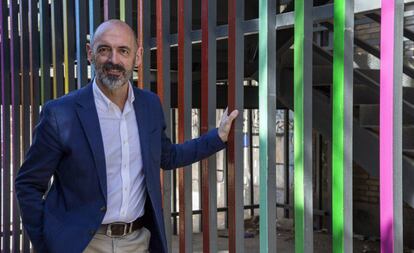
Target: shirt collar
(104, 100)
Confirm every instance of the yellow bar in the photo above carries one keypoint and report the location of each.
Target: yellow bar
(65, 46)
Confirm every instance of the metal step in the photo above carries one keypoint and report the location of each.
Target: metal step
(369, 116)
(365, 142)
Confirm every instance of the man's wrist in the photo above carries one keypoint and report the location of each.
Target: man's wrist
(222, 135)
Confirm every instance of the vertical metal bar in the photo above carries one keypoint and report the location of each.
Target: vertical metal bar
(34, 60)
(184, 120)
(26, 98)
(109, 9)
(303, 126)
(45, 46)
(57, 48)
(267, 119)
(65, 46)
(81, 62)
(392, 14)
(94, 15)
(174, 188)
(69, 44)
(144, 40)
(140, 37)
(15, 119)
(163, 91)
(140, 73)
(320, 178)
(125, 11)
(24, 70)
(328, 199)
(94, 21)
(208, 122)
(251, 162)
(235, 140)
(342, 119)
(122, 10)
(6, 94)
(1, 111)
(286, 161)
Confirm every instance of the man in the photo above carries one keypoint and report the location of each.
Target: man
(104, 145)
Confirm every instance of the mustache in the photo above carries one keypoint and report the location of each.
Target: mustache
(110, 66)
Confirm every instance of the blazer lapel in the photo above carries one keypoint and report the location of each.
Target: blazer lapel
(141, 114)
(90, 122)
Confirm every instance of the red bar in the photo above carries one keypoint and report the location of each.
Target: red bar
(181, 121)
(230, 141)
(160, 68)
(140, 35)
(204, 124)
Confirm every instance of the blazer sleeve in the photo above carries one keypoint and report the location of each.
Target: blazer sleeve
(179, 155)
(35, 173)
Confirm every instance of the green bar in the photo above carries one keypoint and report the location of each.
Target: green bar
(122, 9)
(298, 133)
(263, 119)
(338, 128)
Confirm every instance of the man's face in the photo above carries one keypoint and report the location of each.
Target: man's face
(114, 56)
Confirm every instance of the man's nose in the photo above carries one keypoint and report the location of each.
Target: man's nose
(114, 57)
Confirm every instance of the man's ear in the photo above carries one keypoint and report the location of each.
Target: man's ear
(138, 56)
(89, 52)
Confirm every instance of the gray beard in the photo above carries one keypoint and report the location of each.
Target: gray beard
(112, 83)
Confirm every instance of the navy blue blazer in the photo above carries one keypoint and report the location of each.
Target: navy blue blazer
(67, 145)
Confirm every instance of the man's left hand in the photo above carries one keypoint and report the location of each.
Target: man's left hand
(225, 124)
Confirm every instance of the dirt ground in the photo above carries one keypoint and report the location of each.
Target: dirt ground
(285, 240)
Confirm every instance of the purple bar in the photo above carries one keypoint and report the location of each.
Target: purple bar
(386, 126)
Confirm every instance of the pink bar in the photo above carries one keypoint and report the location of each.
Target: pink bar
(386, 126)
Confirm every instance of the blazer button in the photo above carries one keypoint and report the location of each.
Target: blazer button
(103, 209)
(91, 232)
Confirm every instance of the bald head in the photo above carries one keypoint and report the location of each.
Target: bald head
(114, 52)
(111, 25)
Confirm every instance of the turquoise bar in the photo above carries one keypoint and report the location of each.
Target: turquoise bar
(267, 119)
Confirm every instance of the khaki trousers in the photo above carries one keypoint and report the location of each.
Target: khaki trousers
(136, 242)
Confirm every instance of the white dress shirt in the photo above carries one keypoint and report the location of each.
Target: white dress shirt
(125, 178)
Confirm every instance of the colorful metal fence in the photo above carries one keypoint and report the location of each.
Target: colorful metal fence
(45, 62)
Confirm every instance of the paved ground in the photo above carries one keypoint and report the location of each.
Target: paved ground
(285, 241)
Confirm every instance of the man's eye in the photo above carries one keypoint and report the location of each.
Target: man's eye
(124, 51)
(103, 50)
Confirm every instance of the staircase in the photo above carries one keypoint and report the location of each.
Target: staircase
(366, 112)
